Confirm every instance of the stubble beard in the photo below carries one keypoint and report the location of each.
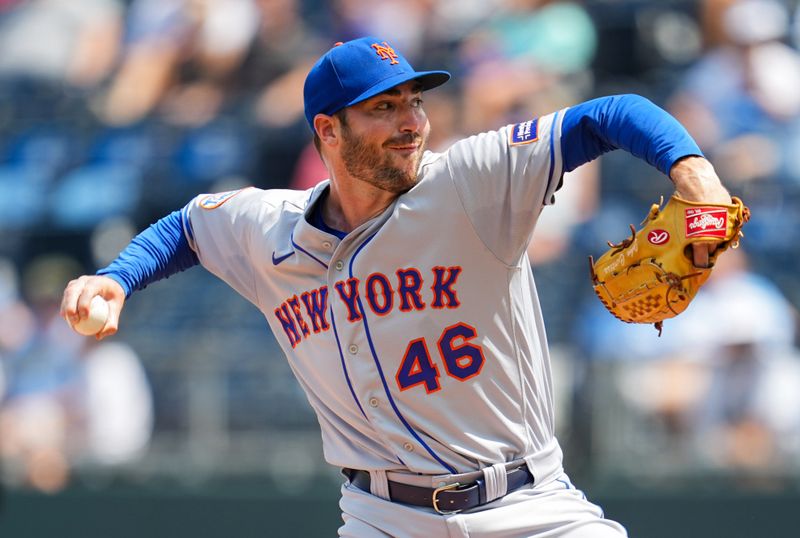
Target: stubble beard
(374, 165)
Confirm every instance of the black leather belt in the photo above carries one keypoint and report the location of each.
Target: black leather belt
(449, 499)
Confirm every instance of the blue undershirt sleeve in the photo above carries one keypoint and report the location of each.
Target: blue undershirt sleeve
(628, 122)
(158, 252)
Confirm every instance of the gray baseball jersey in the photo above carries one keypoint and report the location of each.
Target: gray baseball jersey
(418, 338)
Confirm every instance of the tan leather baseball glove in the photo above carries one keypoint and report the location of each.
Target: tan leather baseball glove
(651, 276)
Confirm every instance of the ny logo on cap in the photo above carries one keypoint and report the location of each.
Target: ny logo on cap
(385, 52)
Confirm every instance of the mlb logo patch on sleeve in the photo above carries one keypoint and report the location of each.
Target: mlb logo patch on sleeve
(524, 133)
(213, 201)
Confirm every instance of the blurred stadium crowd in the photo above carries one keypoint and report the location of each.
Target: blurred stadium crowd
(115, 112)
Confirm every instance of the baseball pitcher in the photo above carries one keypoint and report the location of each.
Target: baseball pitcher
(401, 293)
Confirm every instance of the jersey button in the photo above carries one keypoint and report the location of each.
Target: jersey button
(373, 402)
(339, 265)
(327, 244)
(409, 447)
(353, 349)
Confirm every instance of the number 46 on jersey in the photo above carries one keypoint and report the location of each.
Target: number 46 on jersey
(461, 359)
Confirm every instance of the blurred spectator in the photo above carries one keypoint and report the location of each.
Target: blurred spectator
(749, 416)
(192, 59)
(511, 76)
(115, 400)
(357, 18)
(40, 366)
(16, 320)
(52, 40)
(554, 49)
(725, 385)
(179, 53)
(68, 401)
(740, 100)
(282, 53)
(269, 89)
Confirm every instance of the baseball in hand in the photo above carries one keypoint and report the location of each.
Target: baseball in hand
(98, 314)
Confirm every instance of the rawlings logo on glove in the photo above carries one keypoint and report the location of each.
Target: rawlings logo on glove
(706, 222)
(651, 276)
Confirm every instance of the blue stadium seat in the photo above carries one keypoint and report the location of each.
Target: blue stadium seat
(47, 147)
(212, 152)
(95, 192)
(131, 146)
(23, 196)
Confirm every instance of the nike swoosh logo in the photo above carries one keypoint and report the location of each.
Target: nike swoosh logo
(276, 261)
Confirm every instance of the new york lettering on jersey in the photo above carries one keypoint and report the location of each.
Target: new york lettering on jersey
(383, 298)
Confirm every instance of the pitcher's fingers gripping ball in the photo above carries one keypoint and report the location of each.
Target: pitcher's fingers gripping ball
(651, 276)
(95, 321)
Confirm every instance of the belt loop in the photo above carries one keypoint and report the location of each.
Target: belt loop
(379, 485)
(496, 481)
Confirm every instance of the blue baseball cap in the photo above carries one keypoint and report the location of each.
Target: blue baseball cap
(354, 71)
